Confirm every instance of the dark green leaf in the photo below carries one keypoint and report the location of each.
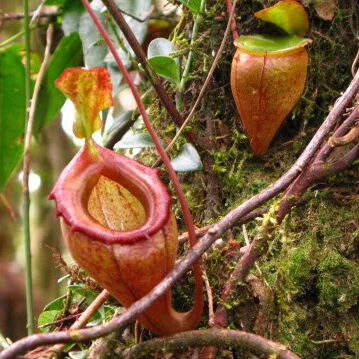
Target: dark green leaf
(187, 160)
(193, 5)
(163, 63)
(68, 54)
(12, 113)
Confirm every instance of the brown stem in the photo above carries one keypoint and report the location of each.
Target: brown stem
(232, 20)
(152, 76)
(221, 338)
(245, 219)
(352, 135)
(341, 131)
(16, 16)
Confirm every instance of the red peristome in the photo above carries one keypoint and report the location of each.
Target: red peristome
(75, 184)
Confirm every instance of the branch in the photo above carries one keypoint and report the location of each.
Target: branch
(245, 219)
(221, 338)
(346, 139)
(16, 16)
(232, 20)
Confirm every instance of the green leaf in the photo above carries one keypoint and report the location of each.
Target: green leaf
(47, 317)
(289, 15)
(68, 54)
(56, 304)
(159, 51)
(193, 5)
(187, 160)
(139, 140)
(270, 43)
(12, 113)
(81, 290)
(54, 2)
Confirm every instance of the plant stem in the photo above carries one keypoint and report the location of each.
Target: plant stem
(187, 67)
(26, 204)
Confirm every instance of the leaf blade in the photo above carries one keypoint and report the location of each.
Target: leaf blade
(12, 113)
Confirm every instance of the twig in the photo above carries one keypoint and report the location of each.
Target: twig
(210, 299)
(354, 65)
(344, 140)
(221, 338)
(326, 149)
(16, 16)
(60, 321)
(12, 211)
(245, 219)
(232, 20)
(206, 82)
(15, 37)
(152, 76)
(203, 244)
(187, 67)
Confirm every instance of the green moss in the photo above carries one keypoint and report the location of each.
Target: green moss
(338, 282)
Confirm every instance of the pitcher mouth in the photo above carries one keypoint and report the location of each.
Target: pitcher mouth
(270, 45)
(73, 189)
